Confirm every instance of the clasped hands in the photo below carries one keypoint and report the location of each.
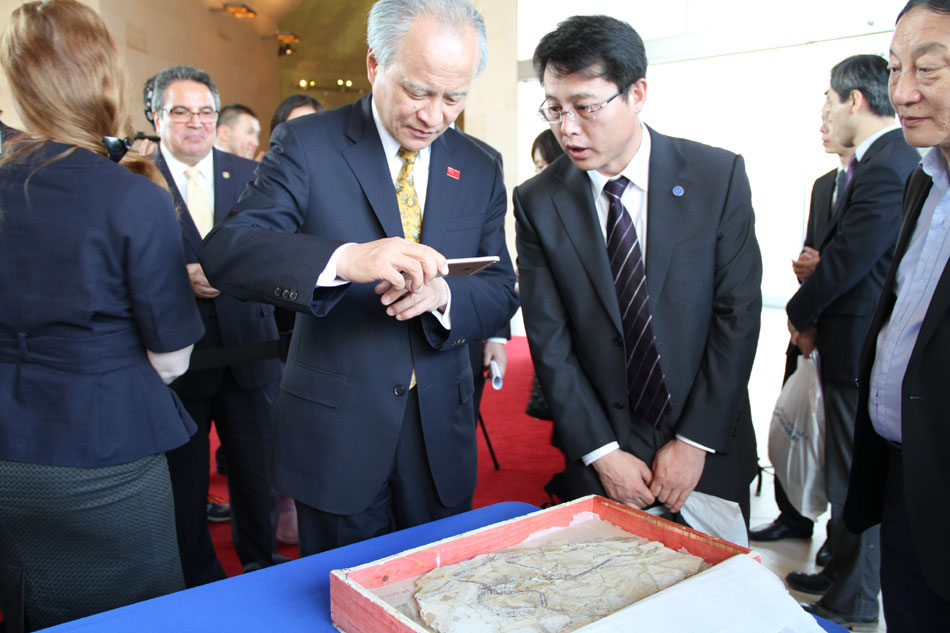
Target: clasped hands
(676, 470)
(407, 274)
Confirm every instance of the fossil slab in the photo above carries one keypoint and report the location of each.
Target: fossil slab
(553, 589)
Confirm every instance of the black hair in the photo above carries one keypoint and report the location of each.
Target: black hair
(547, 144)
(937, 6)
(595, 46)
(289, 104)
(230, 113)
(867, 74)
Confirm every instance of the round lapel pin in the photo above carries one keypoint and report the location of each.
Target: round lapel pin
(677, 191)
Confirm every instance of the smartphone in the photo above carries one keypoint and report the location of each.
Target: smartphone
(469, 265)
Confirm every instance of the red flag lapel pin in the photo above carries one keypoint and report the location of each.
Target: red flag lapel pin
(452, 172)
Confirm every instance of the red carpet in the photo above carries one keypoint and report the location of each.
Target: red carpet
(521, 443)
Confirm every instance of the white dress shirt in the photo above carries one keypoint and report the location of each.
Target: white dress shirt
(205, 178)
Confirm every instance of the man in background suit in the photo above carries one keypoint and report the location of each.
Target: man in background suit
(900, 472)
(205, 184)
(832, 310)
(238, 131)
(790, 523)
(375, 424)
(690, 204)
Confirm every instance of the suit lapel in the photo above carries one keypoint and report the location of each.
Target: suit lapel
(368, 163)
(188, 229)
(574, 204)
(669, 190)
(441, 187)
(224, 185)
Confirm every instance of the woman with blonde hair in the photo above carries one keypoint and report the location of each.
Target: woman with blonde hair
(97, 317)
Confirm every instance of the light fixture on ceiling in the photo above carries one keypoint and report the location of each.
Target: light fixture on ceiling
(284, 49)
(287, 38)
(238, 10)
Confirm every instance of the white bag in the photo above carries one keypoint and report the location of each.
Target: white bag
(797, 440)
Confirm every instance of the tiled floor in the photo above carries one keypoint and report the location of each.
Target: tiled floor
(788, 555)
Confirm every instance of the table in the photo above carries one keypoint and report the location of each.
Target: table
(287, 598)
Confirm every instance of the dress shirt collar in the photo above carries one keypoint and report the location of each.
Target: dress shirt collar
(637, 170)
(934, 165)
(177, 168)
(866, 143)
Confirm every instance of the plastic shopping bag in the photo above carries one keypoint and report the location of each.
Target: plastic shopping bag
(797, 440)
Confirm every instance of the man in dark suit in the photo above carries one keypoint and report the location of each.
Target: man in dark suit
(375, 424)
(641, 427)
(900, 473)
(832, 310)
(205, 184)
(790, 523)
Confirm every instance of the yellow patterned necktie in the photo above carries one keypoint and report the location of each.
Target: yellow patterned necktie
(198, 206)
(409, 209)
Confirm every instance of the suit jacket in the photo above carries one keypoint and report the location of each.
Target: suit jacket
(840, 294)
(819, 216)
(703, 273)
(227, 320)
(91, 276)
(6, 133)
(925, 432)
(326, 182)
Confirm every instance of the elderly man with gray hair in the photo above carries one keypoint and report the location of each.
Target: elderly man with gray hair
(349, 223)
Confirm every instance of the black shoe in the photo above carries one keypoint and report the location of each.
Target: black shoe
(823, 557)
(776, 531)
(219, 512)
(809, 583)
(853, 623)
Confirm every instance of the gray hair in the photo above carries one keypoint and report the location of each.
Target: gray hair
(390, 20)
(181, 73)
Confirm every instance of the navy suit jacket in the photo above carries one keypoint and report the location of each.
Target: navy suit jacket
(227, 320)
(326, 182)
(819, 213)
(925, 432)
(840, 294)
(703, 273)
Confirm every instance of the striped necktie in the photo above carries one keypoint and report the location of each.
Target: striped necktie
(649, 395)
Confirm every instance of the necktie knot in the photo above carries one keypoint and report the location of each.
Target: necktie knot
(615, 188)
(407, 156)
(192, 173)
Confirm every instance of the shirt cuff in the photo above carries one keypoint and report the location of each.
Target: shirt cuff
(328, 278)
(444, 319)
(496, 339)
(696, 444)
(594, 455)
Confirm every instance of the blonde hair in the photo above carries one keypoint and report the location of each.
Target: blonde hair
(64, 73)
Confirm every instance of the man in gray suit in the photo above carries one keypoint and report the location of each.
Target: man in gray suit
(646, 409)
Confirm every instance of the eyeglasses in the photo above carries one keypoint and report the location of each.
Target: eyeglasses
(181, 114)
(554, 114)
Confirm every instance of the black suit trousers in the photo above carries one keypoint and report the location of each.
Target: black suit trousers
(244, 421)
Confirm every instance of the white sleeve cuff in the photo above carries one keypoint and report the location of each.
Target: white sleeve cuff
(328, 278)
(594, 455)
(170, 365)
(444, 319)
(696, 444)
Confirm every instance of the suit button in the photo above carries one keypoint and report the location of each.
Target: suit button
(618, 341)
(293, 295)
(618, 405)
(277, 291)
(285, 294)
(399, 390)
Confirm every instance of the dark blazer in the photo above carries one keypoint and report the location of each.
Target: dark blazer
(703, 272)
(325, 182)
(6, 133)
(91, 276)
(227, 320)
(819, 212)
(840, 294)
(925, 432)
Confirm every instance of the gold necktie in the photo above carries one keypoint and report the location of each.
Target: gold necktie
(198, 206)
(409, 209)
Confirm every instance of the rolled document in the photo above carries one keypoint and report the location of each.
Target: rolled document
(496, 381)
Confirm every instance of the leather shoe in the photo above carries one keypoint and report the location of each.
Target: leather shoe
(776, 531)
(808, 583)
(823, 557)
(853, 623)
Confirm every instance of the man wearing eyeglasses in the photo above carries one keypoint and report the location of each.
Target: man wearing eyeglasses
(205, 183)
(646, 374)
